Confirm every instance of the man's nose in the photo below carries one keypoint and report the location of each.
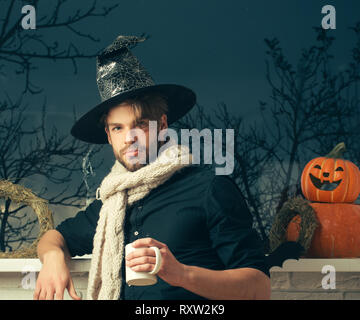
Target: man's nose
(326, 174)
(131, 136)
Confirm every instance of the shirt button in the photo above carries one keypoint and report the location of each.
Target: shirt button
(136, 233)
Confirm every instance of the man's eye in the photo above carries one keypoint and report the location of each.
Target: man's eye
(116, 128)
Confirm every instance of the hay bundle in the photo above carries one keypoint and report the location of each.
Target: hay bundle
(20, 194)
(308, 224)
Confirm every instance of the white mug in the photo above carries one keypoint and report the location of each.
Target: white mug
(134, 278)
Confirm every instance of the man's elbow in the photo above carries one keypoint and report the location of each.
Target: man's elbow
(263, 287)
(254, 284)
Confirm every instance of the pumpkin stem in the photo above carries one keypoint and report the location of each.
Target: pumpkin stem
(337, 152)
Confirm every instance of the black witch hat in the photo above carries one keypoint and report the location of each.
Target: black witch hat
(121, 76)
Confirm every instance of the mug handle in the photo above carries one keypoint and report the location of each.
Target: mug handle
(158, 260)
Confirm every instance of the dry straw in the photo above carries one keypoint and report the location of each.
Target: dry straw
(308, 223)
(20, 194)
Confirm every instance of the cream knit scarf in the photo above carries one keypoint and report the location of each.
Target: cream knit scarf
(119, 189)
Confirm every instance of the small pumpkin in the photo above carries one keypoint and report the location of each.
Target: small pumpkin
(331, 178)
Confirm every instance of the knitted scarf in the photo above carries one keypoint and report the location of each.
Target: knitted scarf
(119, 189)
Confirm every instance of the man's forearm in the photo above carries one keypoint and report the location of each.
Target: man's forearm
(52, 243)
(244, 283)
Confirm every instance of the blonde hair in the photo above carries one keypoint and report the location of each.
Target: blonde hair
(150, 106)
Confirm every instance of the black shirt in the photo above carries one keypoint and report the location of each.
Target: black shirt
(201, 217)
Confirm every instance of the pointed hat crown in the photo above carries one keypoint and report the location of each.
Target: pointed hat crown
(118, 70)
(120, 76)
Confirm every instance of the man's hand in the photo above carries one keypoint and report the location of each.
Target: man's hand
(54, 278)
(143, 260)
(240, 283)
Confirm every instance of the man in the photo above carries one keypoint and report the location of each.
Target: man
(199, 221)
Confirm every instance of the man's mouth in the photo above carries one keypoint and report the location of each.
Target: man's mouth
(326, 185)
(132, 153)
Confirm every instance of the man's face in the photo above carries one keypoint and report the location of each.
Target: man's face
(130, 150)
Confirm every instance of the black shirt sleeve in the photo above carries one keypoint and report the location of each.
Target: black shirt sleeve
(229, 220)
(79, 231)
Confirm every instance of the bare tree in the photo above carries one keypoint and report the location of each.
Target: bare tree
(310, 111)
(23, 49)
(312, 108)
(31, 151)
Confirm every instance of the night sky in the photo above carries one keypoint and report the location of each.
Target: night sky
(215, 47)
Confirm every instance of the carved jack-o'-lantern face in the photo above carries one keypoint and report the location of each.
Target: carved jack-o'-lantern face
(325, 182)
(327, 179)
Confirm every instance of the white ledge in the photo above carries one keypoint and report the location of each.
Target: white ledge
(77, 264)
(82, 264)
(316, 265)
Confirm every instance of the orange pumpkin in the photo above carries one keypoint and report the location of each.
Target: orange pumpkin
(331, 178)
(334, 183)
(338, 233)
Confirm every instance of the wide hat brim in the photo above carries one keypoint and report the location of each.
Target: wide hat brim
(179, 98)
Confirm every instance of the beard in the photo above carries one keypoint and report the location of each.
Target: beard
(130, 166)
(135, 163)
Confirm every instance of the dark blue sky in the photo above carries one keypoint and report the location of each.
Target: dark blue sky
(215, 47)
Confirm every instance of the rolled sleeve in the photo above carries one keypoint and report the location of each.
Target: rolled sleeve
(79, 231)
(229, 220)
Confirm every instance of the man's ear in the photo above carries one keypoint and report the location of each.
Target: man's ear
(163, 122)
(108, 134)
